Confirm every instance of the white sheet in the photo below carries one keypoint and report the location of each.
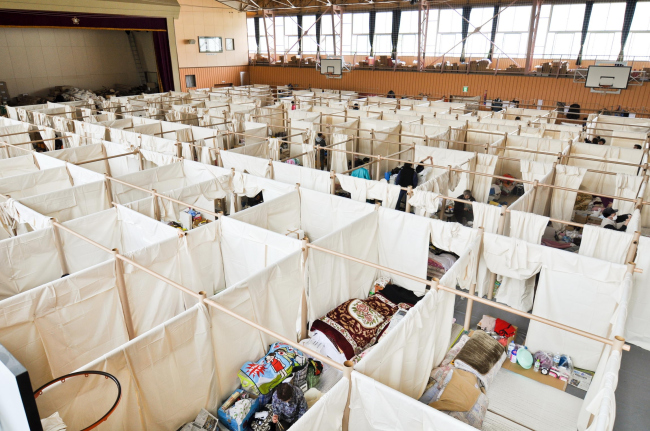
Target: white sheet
(590, 290)
(627, 186)
(562, 201)
(312, 179)
(486, 164)
(280, 215)
(327, 413)
(374, 406)
(605, 244)
(47, 328)
(333, 280)
(487, 217)
(28, 261)
(637, 328)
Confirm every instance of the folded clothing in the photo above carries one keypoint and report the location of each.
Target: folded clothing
(481, 352)
(399, 295)
(357, 324)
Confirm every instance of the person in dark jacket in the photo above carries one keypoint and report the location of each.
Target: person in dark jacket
(462, 210)
(614, 222)
(289, 405)
(406, 177)
(320, 142)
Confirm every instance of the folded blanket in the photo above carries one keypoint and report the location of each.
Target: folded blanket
(481, 352)
(357, 324)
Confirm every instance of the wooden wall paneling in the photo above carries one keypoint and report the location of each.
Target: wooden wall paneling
(207, 77)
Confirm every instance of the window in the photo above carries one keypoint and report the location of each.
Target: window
(383, 28)
(564, 31)
(478, 44)
(407, 43)
(450, 32)
(604, 34)
(290, 44)
(250, 26)
(637, 42)
(432, 34)
(512, 31)
(356, 34)
(309, 45)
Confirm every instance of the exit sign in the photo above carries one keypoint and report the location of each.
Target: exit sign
(465, 89)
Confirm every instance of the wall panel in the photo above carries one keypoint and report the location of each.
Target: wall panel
(209, 76)
(523, 88)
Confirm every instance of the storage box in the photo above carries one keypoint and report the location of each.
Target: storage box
(230, 423)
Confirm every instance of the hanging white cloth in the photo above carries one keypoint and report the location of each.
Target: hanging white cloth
(605, 244)
(518, 293)
(627, 186)
(338, 159)
(274, 148)
(563, 201)
(486, 216)
(485, 163)
(531, 171)
(357, 187)
(637, 328)
(426, 203)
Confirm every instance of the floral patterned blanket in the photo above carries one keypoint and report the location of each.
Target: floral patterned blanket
(357, 324)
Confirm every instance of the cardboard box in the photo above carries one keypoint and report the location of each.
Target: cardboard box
(473, 66)
(538, 377)
(482, 65)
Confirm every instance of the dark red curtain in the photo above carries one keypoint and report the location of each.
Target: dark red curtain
(163, 60)
(25, 18)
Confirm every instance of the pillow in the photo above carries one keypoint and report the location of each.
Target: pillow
(481, 352)
(460, 394)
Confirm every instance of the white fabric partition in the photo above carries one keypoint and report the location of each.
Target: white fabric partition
(518, 293)
(602, 183)
(562, 201)
(577, 291)
(35, 183)
(333, 280)
(118, 227)
(627, 186)
(66, 204)
(312, 179)
(322, 214)
(485, 163)
(247, 249)
(487, 217)
(327, 413)
(374, 406)
(403, 241)
(56, 328)
(637, 329)
(270, 298)
(403, 359)
(181, 349)
(605, 244)
(27, 261)
(17, 166)
(338, 159)
(280, 215)
(243, 163)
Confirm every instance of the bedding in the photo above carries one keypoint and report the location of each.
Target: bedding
(481, 352)
(439, 264)
(260, 377)
(357, 324)
(451, 364)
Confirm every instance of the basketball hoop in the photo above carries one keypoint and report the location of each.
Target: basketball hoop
(62, 379)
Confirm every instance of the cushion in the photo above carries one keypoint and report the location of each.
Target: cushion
(460, 394)
(481, 352)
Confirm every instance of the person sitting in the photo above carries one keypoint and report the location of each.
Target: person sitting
(463, 210)
(361, 172)
(320, 142)
(406, 177)
(612, 221)
(637, 147)
(355, 107)
(517, 118)
(391, 94)
(602, 141)
(293, 105)
(289, 405)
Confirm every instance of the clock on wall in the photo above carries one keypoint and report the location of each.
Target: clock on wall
(210, 44)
